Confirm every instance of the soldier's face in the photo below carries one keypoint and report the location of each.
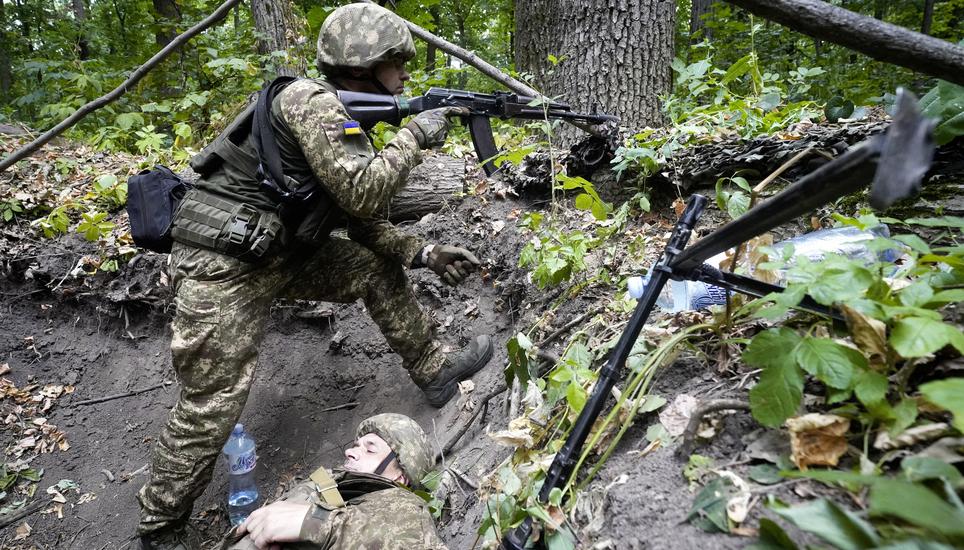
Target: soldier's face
(392, 75)
(367, 453)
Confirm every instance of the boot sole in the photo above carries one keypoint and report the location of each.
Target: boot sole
(452, 386)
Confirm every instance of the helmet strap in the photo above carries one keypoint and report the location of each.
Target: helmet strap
(385, 462)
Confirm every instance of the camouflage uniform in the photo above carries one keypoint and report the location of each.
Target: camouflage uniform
(222, 302)
(377, 514)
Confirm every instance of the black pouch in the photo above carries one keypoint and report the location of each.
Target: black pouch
(152, 199)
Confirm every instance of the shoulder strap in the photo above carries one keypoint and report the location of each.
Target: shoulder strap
(269, 155)
(327, 487)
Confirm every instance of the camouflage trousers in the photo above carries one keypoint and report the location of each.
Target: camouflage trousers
(222, 307)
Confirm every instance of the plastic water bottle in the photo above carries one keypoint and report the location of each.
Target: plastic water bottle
(242, 489)
(680, 295)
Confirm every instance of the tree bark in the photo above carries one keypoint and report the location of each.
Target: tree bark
(278, 31)
(877, 39)
(613, 56)
(430, 186)
(431, 50)
(925, 26)
(6, 78)
(699, 9)
(167, 14)
(80, 19)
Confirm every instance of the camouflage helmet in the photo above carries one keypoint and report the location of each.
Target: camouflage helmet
(406, 438)
(362, 36)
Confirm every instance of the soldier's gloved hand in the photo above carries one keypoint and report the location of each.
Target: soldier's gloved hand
(430, 127)
(452, 263)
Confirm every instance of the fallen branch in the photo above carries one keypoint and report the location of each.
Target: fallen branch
(575, 321)
(24, 513)
(348, 405)
(465, 427)
(119, 395)
(689, 435)
(111, 96)
(880, 40)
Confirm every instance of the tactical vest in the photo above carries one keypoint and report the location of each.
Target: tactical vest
(231, 210)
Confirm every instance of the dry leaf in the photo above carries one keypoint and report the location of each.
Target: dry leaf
(738, 506)
(679, 206)
(22, 531)
(913, 436)
(675, 417)
(870, 335)
(4, 368)
(519, 434)
(86, 497)
(817, 439)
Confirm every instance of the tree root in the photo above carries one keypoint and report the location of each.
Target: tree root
(707, 407)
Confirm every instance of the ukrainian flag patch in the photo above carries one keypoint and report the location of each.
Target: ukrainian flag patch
(351, 128)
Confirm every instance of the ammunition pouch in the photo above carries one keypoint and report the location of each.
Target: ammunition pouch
(228, 227)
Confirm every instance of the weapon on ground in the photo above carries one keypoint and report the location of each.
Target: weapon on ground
(908, 139)
(369, 109)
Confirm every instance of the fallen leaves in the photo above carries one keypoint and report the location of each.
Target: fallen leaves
(817, 439)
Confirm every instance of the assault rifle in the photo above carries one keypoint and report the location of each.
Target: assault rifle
(369, 109)
(896, 162)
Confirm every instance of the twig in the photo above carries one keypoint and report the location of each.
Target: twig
(482, 405)
(24, 513)
(111, 96)
(119, 395)
(689, 435)
(348, 405)
(465, 479)
(562, 330)
(514, 397)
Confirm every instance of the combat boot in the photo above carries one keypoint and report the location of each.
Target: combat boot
(456, 368)
(183, 537)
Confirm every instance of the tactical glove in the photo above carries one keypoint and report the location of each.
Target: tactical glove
(451, 263)
(430, 127)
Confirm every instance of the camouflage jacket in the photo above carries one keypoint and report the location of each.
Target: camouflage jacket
(384, 517)
(360, 181)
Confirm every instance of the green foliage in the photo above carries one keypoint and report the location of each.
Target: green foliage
(93, 227)
(10, 208)
(945, 102)
(861, 368)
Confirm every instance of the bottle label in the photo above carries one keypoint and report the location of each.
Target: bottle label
(243, 463)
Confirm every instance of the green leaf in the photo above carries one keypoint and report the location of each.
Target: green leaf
(917, 336)
(905, 413)
(831, 363)
(576, 396)
(737, 204)
(838, 108)
(583, 202)
(738, 69)
(871, 387)
(765, 474)
(915, 504)
(916, 243)
(772, 347)
(947, 394)
(922, 468)
(772, 537)
(835, 525)
(709, 508)
(917, 294)
(945, 102)
(777, 395)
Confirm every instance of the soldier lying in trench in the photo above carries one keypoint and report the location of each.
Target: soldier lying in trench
(367, 504)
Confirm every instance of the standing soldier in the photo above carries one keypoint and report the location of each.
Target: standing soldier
(239, 246)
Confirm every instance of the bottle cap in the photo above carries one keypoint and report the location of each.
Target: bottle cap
(636, 285)
(238, 429)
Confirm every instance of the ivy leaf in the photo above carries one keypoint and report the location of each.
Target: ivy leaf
(838, 108)
(947, 394)
(915, 504)
(918, 336)
(830, 362)
(836, 526)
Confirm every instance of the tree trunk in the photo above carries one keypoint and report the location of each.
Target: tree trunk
(613, 56)
(925, 26)
(699, 9)
(6, 80)
(80, 19)
(879, 8)
(430, 186)
(431, 51)
(167, 14)
(882, 41)
(278, 31)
